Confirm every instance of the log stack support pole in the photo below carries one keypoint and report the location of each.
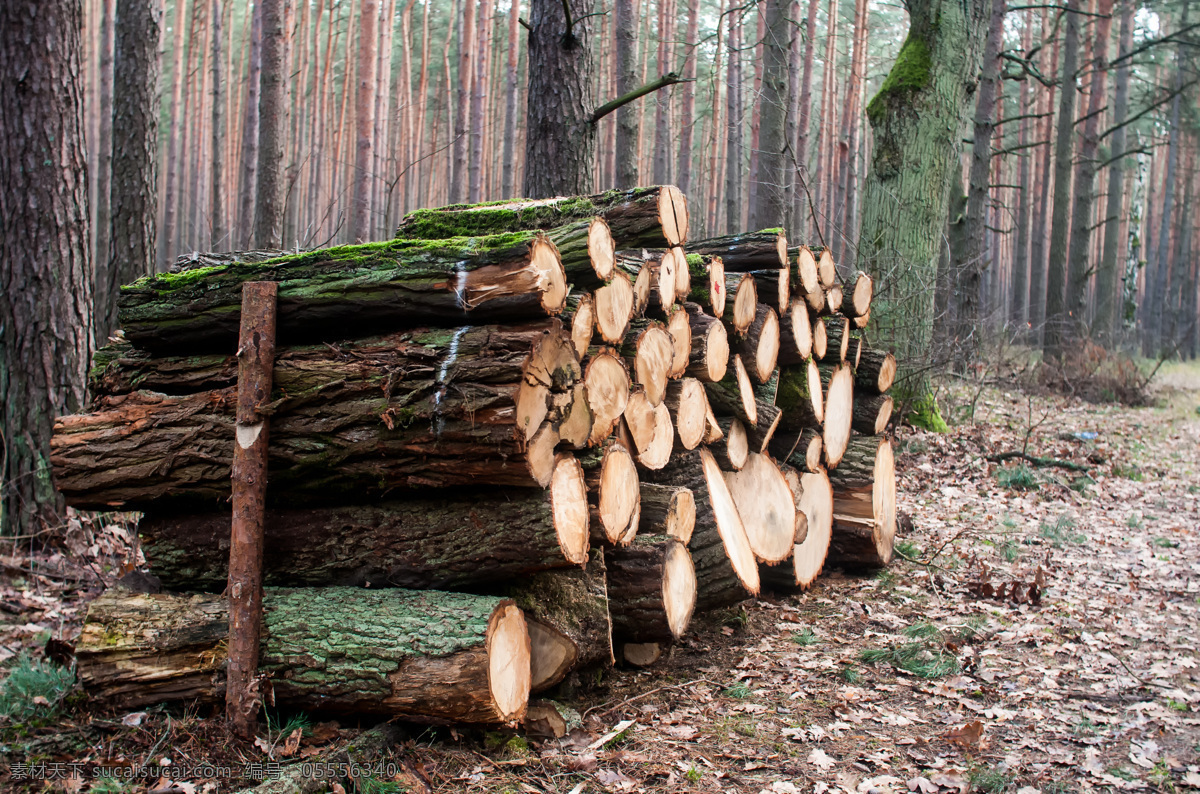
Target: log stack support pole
(256, 361)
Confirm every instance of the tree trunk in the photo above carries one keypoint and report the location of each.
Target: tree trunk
(46, 278)
(914, 160)
(649, 217)
(373, 414)
(652, 589)
(1019, 286)
(102, 217)
(627, 115)
(216, 208)
(1037, 248)
(508, 165)
(1158, 273)
(1109, 277)
(683, 173)
(804, 181)
(466, 52)
(1060, 221)
(864, 506)
(733, 115)
(511, 277)
(422, 655)
(771, 197)
(132, 251)
(272, 126)
(662, 99)
(560, 136)
(364, 122)
(1080, 248)
(568, 613)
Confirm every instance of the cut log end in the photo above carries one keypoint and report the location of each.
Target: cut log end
(746, 390)
(680, 328)
(551, 277)
(729, 524)
(795, 334)
(641, 654)
(601, 249)
(820, 341)
(540, 456)
(766, 352)
(683, 275)
(653, 360)
(582, 323)
(839, 413)
(806, 271)
(673, 214)
(614, 308)
(651, 429)
(568, 499)
(745, 301)
(815, 501)
(607, 385)
(686, 398)
(826, 270)
(619, 494)
(509, 668)
(766, 506)
(716, 285)
(678, 588)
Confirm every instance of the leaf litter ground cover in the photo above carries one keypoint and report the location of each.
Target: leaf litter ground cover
(1039, 633)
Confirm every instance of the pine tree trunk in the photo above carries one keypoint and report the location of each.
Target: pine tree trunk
(272, 126)
(510, 100)
(132, 251)
(216, 206)
(1109, 277)
(560, 136)
(913, 163)
(247, 189)
(1158, 273)
(102, 226)
(771, 197)
(805, 183)
(1060, 222)
(46, 279)
(733, 115)
(1018, 302)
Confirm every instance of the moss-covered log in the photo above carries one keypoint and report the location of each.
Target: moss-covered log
(864, 505)
(654, 217)
(448, 541)
(476, 405)
(338, 292)
(761, 250)
(801, 397)
(423, 655)
(569, 623)
(652, 589)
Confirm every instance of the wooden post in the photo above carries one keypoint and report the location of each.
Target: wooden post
(256, 360)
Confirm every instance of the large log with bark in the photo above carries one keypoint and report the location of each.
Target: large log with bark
(876, 371)
(763, 500)
(795, 334)
(734, 395)
(438, 541)
(838, 381)
(864, 505)
(652, 588)
(872, 412)
(333, 293)
(814, 521)
(667, 510)
(567, 612)
(476, 405)
(423, 655)
(651, 217)
(802, 449)
(707, 277)
(761, 250)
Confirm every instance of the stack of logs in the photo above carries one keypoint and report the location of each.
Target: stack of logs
(517, 438)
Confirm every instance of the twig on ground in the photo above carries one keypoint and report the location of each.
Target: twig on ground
(1039, 461)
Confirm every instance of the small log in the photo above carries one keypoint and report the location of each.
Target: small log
(689, 406)
(814, 517)
(732, 449)
(337, 292)
(744, 291)
(547, 719)
(650, 351)
(758, 437)
(726, 571)
(861, 321)
(761, 250)
(764, 502)
(683, 276)
(614, 308)
(774, 287)
(642, 279)
(652, 585)
(872, 412)
(708, 282)
(651, 428)
(662, 264)
(876, 371)
(864, 505)
(857, 295)
(667, 510)
(767, 392)
(805, 265)
(568, 617)
(680, 328)
(437, 542)
(838, 380)
(820, 332)
(612, 481)
(758, 345)
(422, 655)
(816, 302)
(709, 356)
(800, 396)
(795, 334)
(854, 354)
(826, 271)
(837, 339)
(833, 299)
(575, 429)
(734, 394)
(654, 217)
(581, 314)
(799, 448)
(606, 383)
(642, 654)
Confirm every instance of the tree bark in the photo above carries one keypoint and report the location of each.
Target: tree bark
(683, 172)
(734, 125)
(102, 217)
(864, 505)
(804, 126)
(508, 166)
(771, 197)
(272, 126)
(446, 282)
(247, 188)
(465, 53)
(1109, 277)
(46, 278)
(917, 119)
(652, 589)
(740, 253)
(422, 655)
(364, 121)
(219, 231)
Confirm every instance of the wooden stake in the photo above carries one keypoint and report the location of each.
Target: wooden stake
(256, 360)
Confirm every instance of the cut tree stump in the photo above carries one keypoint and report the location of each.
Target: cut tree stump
(651, 217)
(652, 588)
(422, 655)
(864, 505)
(438, 541)
(332, 293)
(569, 623)
(763, 500)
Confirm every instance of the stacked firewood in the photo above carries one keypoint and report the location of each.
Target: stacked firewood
(518, 440)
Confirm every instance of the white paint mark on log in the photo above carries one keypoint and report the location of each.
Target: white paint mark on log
(451, 357)
(248, 434)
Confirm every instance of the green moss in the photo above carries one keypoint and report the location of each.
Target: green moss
(926, 414)
(173, 281)
(911, 72)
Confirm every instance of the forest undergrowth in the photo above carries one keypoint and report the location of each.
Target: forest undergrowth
(1040, 632)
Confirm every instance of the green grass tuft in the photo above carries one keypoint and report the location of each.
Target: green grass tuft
(849, 674)
(29, 679)
(804, 638)
(923, 656)
(908, 549)
(990, 780)
(1017, 478)
(739, 691)
(1061, 532)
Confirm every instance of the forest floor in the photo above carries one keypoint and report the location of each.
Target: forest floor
(1043, 635)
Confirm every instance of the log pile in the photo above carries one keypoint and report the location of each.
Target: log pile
(519, 440)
